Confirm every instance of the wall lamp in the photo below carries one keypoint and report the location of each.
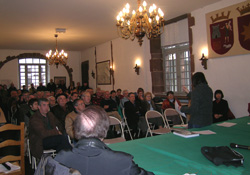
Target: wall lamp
(137, 69)
(111, 70)
(204, 61)
(93, 74)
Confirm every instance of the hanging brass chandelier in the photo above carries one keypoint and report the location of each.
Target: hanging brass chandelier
(141, 22)
(57, 58)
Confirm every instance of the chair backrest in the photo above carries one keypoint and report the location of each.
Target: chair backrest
(170, 112)
(155, 114)
(115, 121)
(126, 123)
(10, 142)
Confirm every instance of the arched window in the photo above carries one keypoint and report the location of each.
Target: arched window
(32, 70)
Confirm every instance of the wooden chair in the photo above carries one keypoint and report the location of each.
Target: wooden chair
(115, 121)
(17, 160)
(156, 114)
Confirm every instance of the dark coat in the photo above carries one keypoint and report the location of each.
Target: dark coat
(60, 114)
(132, 113)
(41, 127)
(112, 105)
(92, 157)
(201, 108)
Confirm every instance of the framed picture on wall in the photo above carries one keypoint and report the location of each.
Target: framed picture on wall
(57, 80)
(103, 73)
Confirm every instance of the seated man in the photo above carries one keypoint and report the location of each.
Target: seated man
(110, 106)
(45, 131)
(72, 98)
(70, 118)
(124, 99)
(96, 100)
(86, 97)
(132, 113)
(61, 110)
(90, 155)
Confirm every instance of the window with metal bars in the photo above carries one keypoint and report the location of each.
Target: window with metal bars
(32, 70)
(177, 67)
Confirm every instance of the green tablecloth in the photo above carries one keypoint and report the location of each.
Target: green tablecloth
(170, 154)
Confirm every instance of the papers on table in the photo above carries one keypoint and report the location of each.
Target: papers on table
(185, 133)
(205, 132)
(6, 171)
(226, 124)
(177, 109)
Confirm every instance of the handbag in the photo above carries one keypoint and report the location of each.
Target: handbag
(222, 155)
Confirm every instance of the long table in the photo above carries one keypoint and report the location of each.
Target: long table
(170, 154)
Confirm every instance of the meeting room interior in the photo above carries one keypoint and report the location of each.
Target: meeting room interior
(102, 46)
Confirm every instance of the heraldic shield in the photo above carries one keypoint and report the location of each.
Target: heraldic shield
(222, 37)
(244, 31)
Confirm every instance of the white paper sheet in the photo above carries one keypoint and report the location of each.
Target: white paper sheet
(226, 124)
(13, 168)
(177, 109)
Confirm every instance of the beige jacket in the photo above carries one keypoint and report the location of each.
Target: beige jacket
(69, 124)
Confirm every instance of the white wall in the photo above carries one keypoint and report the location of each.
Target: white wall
(9, 72)
(125, 53)
(230, 74)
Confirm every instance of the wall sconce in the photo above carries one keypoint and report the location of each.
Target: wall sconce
(93, 74)
(137, 66)
(137, 69)
(111, 70)
(204, 61)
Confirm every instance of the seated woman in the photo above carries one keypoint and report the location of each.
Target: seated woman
(220, 107)
(170, 101)
(149, 105)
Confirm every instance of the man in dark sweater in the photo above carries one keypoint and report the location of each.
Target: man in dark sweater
(110, 106)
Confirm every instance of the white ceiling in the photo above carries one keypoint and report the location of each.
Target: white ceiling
(30, 24)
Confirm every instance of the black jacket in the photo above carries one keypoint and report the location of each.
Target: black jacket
(91, 156)
(201, 108)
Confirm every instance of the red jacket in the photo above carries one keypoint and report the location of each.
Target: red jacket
(166, 104)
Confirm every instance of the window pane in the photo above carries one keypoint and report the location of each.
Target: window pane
(43, 61)
(21, 61)
(35, 60)
(29, 60)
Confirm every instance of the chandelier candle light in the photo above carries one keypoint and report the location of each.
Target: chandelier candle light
(57, 58)
(140, 22)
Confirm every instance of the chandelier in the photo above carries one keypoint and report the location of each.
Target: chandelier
(140, 23)
(57, 58)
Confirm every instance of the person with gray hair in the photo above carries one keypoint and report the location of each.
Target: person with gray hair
(91, 156)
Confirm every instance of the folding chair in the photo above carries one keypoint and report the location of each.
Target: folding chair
(156, 114)
(126, 124)
(114, 121)
(172, 115)
(16, 160)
